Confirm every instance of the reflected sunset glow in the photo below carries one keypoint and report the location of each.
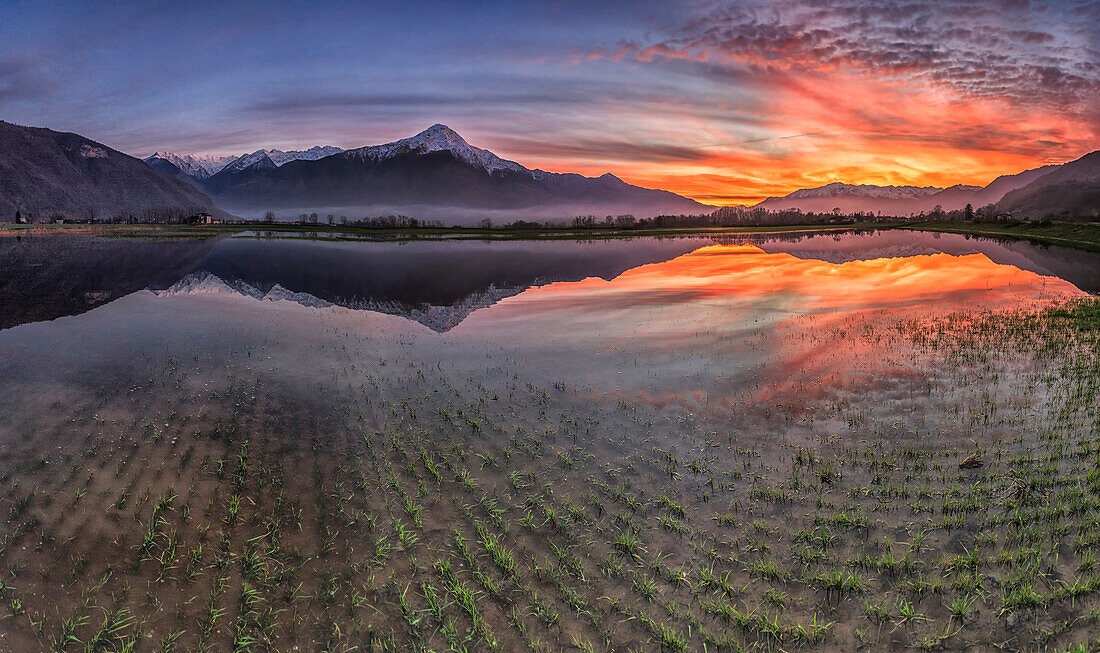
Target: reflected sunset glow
(743, 272)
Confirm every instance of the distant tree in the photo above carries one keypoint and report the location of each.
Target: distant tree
(331, 219)
(313, 218)
(18, 217)
(968, 213)
(485, 223)
(269, 217)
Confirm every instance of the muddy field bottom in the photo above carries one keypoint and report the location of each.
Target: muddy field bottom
(269, 477)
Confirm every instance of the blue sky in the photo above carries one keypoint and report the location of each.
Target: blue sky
(721, 101)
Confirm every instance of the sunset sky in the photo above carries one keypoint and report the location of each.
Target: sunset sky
(724, 102)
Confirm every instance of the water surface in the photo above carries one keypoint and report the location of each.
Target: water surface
(311, 383)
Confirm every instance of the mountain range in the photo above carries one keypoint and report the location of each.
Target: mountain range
(200, 167)
(438, 174)
(435, 173)
(1069, 190)
(437, 284)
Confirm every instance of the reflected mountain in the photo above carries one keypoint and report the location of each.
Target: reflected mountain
(1078, 267)
(47, 277)
(436, 283)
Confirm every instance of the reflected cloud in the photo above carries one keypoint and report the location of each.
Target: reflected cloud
(739, 272)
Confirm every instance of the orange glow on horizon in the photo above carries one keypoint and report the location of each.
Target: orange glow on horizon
(850, 127)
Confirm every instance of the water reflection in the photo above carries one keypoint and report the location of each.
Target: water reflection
(1078, 267)
(729, 337)
(726, 327)
(439, 284)
(43, 278)
(717, 273)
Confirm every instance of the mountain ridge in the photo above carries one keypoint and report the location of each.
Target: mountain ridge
(906, 200)
(47, 174)
(433, 173)
(1071, 190)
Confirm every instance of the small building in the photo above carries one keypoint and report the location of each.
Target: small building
(204, 218)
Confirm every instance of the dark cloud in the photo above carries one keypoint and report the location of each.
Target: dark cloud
(296, 102)
(606, 149)
(1040, 54)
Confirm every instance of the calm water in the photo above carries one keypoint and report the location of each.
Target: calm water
(256, 368)
(683, 321)
(42, 278)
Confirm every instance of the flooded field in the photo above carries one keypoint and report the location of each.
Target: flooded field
(866, 440)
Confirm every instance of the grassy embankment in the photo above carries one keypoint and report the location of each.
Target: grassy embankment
(1078, 235)
(342, 232)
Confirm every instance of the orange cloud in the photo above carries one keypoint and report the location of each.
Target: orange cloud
(859, 130)
(874, 94)
(862, 132)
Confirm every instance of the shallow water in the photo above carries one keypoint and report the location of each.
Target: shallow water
(138, 369)
(684, 322)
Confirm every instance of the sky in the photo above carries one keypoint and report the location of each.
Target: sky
(724, 102)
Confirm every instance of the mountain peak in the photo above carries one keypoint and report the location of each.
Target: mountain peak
(440, 128)
(199, 166)
(440, 137)
(259, 157)
(437, 138)
(838, 189)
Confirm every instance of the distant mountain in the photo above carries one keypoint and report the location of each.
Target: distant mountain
(279, 157)
(245, 167)
(242, 168)
(1071, 190)
(901, 200)
(198, 168)
(44, 173)
(433, 174)
(850, 198)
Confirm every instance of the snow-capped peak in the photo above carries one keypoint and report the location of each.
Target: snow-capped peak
(248, 160)
(837, 189)
(279, 157)
(196, 165)
(276, 158)
(437, 138)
